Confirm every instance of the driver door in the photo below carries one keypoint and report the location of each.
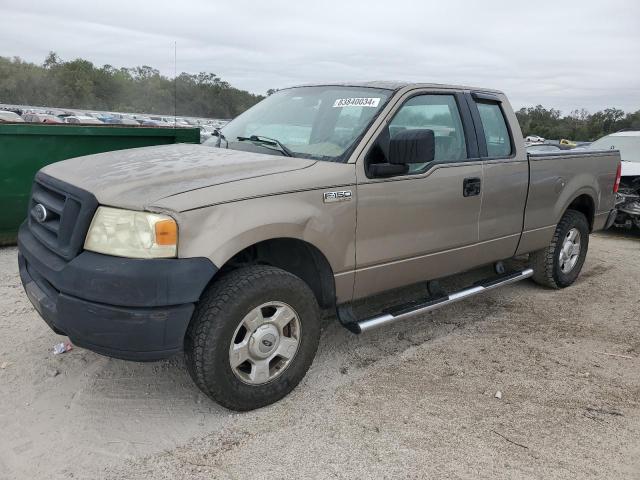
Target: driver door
(423, 224)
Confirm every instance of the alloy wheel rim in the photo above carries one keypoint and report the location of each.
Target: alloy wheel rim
(570, 251)
(265, 343)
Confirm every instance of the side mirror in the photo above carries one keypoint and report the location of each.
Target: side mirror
(387, 169)
(412, 146)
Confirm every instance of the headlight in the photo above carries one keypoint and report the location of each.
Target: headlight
(126, 233)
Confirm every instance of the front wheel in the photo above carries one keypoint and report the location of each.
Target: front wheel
(253, 336)
(559, 264)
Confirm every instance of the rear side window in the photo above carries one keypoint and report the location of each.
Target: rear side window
(495, 129)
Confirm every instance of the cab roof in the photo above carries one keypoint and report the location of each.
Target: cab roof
(397, 85)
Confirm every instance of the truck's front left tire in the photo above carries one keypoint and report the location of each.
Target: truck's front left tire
(253, 336)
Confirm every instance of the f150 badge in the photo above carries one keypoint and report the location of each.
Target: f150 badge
(339, 196)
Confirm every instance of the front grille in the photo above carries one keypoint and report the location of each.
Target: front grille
(69, 213)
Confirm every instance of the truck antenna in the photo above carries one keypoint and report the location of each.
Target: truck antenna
(175, 83)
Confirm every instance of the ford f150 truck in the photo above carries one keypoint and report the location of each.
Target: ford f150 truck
(316, 197)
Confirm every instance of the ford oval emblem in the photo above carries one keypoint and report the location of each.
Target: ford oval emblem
(40, 213)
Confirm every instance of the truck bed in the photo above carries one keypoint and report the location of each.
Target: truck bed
(558, 179)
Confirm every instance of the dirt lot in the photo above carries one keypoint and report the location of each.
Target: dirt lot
(416, 400)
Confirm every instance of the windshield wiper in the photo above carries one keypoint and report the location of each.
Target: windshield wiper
(267, 141)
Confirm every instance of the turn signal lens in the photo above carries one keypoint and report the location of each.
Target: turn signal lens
(166, 232)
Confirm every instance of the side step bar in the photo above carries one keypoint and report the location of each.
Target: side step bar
(403, 313)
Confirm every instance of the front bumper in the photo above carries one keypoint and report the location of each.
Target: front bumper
(134, 309)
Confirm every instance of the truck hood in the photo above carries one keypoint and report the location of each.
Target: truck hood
(630, 169)
(138, 177)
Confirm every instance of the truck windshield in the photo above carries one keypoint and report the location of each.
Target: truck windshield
(322, 123)
(629, 146)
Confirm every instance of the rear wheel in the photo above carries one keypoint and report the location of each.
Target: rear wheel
(559, 264)
(253, 337)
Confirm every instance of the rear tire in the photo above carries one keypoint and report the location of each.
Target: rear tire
(253, 336)
(559, 264)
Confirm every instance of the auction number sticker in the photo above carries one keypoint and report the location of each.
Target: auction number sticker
(356, 102)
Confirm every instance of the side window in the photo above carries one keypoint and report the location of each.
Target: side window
(495, 129)
(440, 114)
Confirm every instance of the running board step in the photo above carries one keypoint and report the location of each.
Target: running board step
(346, 316)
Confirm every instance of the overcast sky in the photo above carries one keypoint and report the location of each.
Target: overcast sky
(562, 54)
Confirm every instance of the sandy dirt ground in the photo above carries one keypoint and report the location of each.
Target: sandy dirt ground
(415, 400)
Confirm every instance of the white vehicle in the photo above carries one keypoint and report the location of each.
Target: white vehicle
(7, 116)
(83, 119)
(628, 200)
(534, 139)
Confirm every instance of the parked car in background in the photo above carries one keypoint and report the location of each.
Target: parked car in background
(156, 122)
(129, 121)
(534, 139)
(543, 148)
(206, 132)
(41, 114)
(7, 116)
(628, 198)
(568, 143)
(126, 119)
(559, 144)
(179, 122)
(82, 119)
(109, 119)
(153, 123)
(59, 112)
(172, 121)
(41, 118)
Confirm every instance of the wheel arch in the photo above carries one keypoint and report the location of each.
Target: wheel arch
(585, 204)
(294, 255)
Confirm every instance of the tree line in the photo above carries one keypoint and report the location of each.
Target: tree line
(579, 125)
(79, 84)
(82, 85)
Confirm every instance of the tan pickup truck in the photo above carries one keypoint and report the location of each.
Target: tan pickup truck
(314, 198)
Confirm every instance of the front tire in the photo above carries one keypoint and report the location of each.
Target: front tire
(559, 264)
(253, 336)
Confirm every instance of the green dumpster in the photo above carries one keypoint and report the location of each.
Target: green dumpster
(26, 148)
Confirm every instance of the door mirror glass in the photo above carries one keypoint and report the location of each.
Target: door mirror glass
(412, 146)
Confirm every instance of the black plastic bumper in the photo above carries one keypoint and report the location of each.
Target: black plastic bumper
(134, 309)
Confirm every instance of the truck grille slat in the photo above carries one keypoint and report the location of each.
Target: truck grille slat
(69, 213)
(52, 225)
(54, 203)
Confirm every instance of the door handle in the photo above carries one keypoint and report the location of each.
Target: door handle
(471, 187)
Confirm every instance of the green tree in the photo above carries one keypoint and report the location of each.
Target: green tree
(579, 125)
(82, 85)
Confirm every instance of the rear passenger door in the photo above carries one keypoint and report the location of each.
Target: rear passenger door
(423, 224)
(505, 174)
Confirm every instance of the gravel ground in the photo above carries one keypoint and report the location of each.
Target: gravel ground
(415, 400)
